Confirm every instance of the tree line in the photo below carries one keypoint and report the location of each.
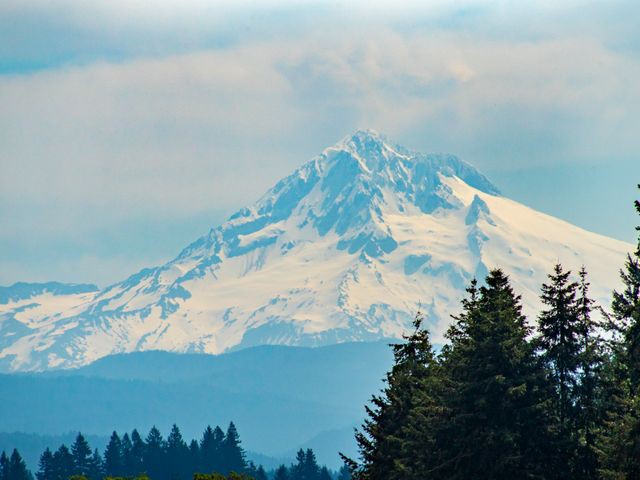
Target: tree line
(217, 455)
(503, 400)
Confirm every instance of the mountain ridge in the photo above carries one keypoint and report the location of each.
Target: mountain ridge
(346, 248)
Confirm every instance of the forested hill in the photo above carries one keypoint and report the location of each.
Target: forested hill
(216, 454)
(282, 398)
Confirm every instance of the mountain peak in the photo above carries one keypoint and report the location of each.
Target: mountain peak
(372, 153)
(340, 250)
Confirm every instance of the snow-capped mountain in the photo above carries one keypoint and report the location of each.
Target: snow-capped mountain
(347, 247)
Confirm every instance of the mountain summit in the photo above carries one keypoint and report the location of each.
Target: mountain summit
(346, 248)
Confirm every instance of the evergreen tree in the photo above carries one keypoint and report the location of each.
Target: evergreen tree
(233, 457)
(17, 468)
(4, 466)
(282, 473)
(324, 474)
(587, 419)
(153, 459)
(62, 463)
(311, 469)
(137, 453)
(499, 427)
(177, 455)
(251, 470)
(45, 466)
(211, 449)
(559, 340)
(126, 447)
(261, 474)
(296, 472)
(344, 473)
(385, 444)
(82, 456)
(620, 439)
(194, 460)
(113, 461)
(626, 308)
(96, 470)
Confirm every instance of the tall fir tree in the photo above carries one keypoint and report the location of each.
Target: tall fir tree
(96, 470)
(626, 308)
(499, 428)
(194, 456)
(45, 466)
(281, 473)
(383, 440)
(17, 467)
(126, 448)
(324, 474)
(4, 466)
(82, 456)
(310, 467)
(211, 449)
(113, 461)
(154, 457)
(588, 415)
(620, 439)
(62, 463)
(559, 340)
(344, 473)
(232, 454)
(177, 456)
(137, 453)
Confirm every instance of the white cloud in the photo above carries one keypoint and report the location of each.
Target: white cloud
(84, 147)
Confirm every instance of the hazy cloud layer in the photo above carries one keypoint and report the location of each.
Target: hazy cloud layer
(127, 130)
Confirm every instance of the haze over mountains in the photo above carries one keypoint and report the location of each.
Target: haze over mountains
(346, 248)
(281, 398)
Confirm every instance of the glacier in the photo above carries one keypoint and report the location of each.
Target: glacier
(347, 248)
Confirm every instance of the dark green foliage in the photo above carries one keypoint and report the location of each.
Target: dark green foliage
(82, 456)
(256, 472)
(626, 308)
(130, 457)
(260, 474)
(281, 473)
(17, 469)
(194, 454)
(218, 476)
(498, 427)
(137, 477)
(153, 457)
(63, 466)
(344, 473)
(587, 419)
(386, 444)
(559, 340)
(232, 454)
(113, 461)
(136, 456)
(126, 453)
(96, 470)
(323, 475)
(619, 440)
(46, 469)
(211, 450)
(178, 453)
(4, 466)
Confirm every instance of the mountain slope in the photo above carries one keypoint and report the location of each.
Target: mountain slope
(344, 249)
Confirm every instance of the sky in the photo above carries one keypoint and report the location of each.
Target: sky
(130, 128)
